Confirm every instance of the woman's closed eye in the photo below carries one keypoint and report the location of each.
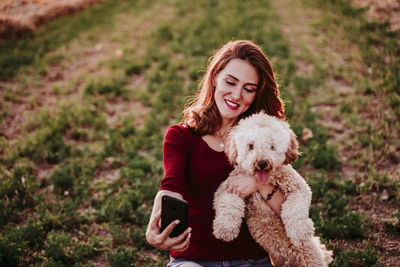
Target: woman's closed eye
(247, 89)
(250, 90)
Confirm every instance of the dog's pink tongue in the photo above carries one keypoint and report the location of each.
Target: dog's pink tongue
(262, 175)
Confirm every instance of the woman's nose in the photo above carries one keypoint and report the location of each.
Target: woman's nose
(236, 93)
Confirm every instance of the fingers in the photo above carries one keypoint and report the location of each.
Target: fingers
(232, 187)
(242, 194)
(235, 188)
(167, 231)
(242, 191)
(183, 245)
(156, 223)
(153, 230)
(179, 243)
(158, 215)
(162, 240)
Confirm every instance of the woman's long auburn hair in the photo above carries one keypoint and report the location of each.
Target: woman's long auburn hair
(202, 114)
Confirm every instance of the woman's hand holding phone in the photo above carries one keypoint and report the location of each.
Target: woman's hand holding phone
(162, 240)
(173, 209)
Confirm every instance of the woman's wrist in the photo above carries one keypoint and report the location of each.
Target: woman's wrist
(268, 190)
(277, 198)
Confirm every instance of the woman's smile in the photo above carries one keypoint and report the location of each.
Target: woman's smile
(235, 89)
(232, 105)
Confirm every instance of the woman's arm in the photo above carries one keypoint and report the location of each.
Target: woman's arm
(276, 200)
(162, 240)
(175, 153)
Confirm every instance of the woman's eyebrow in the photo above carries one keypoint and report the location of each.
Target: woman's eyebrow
(233, 77)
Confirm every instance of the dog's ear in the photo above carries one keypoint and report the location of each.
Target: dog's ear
(231, 149)
(293, 149)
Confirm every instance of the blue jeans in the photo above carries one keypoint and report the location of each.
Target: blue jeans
(265, 262)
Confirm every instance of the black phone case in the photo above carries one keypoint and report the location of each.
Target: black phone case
(171, 209)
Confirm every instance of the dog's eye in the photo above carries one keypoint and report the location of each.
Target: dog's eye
(272, 147)
(251, 146)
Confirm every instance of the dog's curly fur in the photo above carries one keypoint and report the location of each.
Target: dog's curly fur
(290, 239)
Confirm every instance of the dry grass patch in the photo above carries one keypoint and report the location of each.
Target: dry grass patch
(19, 16)
(384, 10)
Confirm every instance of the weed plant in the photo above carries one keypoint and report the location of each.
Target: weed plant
(62, 249)
(16, 192)
(355, 257)
(72, 178)
(395, 224)
(337, 221)
(333, 219)
(123, 257)
(112, 87)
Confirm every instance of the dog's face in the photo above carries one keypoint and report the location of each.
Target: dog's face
(260, 143)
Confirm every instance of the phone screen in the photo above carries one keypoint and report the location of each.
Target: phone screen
(171, 209)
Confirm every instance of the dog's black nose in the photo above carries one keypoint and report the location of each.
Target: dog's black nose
(262, 164)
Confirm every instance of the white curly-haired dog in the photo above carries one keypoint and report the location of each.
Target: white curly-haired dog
(263, 146)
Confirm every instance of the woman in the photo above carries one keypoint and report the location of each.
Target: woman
(239, 82)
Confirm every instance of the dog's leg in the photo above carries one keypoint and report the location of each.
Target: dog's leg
(295, 217)
(267, 229)
(229, 212)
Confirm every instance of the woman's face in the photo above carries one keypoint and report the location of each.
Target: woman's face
(235, 89)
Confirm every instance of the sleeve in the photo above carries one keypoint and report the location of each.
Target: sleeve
(175, 153)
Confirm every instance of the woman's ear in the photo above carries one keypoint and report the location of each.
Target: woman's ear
(293, 149)
(213, 83)
(213, 79)
(231, 149)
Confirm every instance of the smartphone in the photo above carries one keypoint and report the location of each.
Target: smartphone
(171, 209)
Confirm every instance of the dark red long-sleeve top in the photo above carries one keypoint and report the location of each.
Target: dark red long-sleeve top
(195, 171)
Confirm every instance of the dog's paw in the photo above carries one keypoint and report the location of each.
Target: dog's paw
(302, 231)
(229, 212)
(225, 231)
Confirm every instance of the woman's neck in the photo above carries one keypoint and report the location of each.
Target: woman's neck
(222, 133)
(226, 125)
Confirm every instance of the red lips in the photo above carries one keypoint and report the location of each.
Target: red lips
(232, 105)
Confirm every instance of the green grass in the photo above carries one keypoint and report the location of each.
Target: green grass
(377, 44)
(368, 256)
(103, 176)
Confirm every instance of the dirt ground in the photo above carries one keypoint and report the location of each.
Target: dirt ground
(20, 16)
(384, 10)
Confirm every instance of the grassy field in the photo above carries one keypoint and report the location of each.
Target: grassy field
(85, 101)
